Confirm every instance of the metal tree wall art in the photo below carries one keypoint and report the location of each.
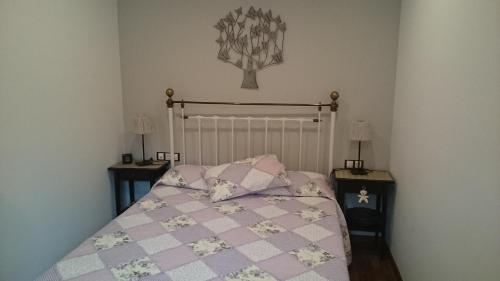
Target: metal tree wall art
(251, 42)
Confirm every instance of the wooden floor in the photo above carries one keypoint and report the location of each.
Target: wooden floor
(368, 264)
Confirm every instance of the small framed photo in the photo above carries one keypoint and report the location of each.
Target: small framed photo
(354, 164)
(127, 158)
(349, 164)
(359, 164)
(160, 156)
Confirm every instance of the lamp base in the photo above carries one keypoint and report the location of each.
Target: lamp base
(359, 171)
(144, 162)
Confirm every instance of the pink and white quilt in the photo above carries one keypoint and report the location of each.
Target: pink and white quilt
(180, 234)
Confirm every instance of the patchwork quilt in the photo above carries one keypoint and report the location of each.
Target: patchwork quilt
(178, 234)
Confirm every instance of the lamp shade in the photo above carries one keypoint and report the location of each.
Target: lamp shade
(142, 125)
(360, 131)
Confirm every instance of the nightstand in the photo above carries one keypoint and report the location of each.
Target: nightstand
(132, 173)
(376, 185)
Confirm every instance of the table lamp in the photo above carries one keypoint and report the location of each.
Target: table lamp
(360, 131)
(143, 126)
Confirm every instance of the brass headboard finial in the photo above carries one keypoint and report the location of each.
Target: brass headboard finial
(334, 105)
(169, 92)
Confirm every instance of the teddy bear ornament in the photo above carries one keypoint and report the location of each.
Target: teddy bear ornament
(363, 196)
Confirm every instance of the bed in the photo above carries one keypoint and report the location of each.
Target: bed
(177, 232)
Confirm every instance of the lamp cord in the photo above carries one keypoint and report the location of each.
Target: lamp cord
(359, 150)
(143, 153)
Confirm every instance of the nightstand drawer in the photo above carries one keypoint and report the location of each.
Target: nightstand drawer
(137, 175)
(363, 218)
(357, 186)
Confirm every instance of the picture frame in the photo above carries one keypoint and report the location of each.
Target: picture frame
(348, 164)
(127, 158)
(160, 156)
(359, 164)
(177, 156)
(354, 164)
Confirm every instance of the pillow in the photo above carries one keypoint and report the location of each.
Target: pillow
(303, 184)
(245, 177)
(190, 176)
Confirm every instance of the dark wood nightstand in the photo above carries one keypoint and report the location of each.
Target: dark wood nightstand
(376, 184)
(132, 173)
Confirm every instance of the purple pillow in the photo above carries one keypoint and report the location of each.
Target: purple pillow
(245, 177)
(189, 176)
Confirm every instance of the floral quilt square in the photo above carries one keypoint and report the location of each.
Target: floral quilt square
(229, 208)
(251, 273)
(174, 177)
(149, 205)
(208, 246)
(222, 189)
(312, 255)
(107, 241)
(309, 189)
(199, 194)
(266, 228)
(171, 224)
(276, 199)
(312, 214)
(135, 269)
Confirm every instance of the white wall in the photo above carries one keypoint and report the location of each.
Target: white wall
(61, 125)
(349, 46)
(445, 150)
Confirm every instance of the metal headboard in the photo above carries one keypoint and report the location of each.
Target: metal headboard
(333, 112)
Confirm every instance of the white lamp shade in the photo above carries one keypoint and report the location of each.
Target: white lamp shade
(142, 125)
(360, 131)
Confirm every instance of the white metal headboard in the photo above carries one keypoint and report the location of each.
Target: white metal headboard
(284, 120)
